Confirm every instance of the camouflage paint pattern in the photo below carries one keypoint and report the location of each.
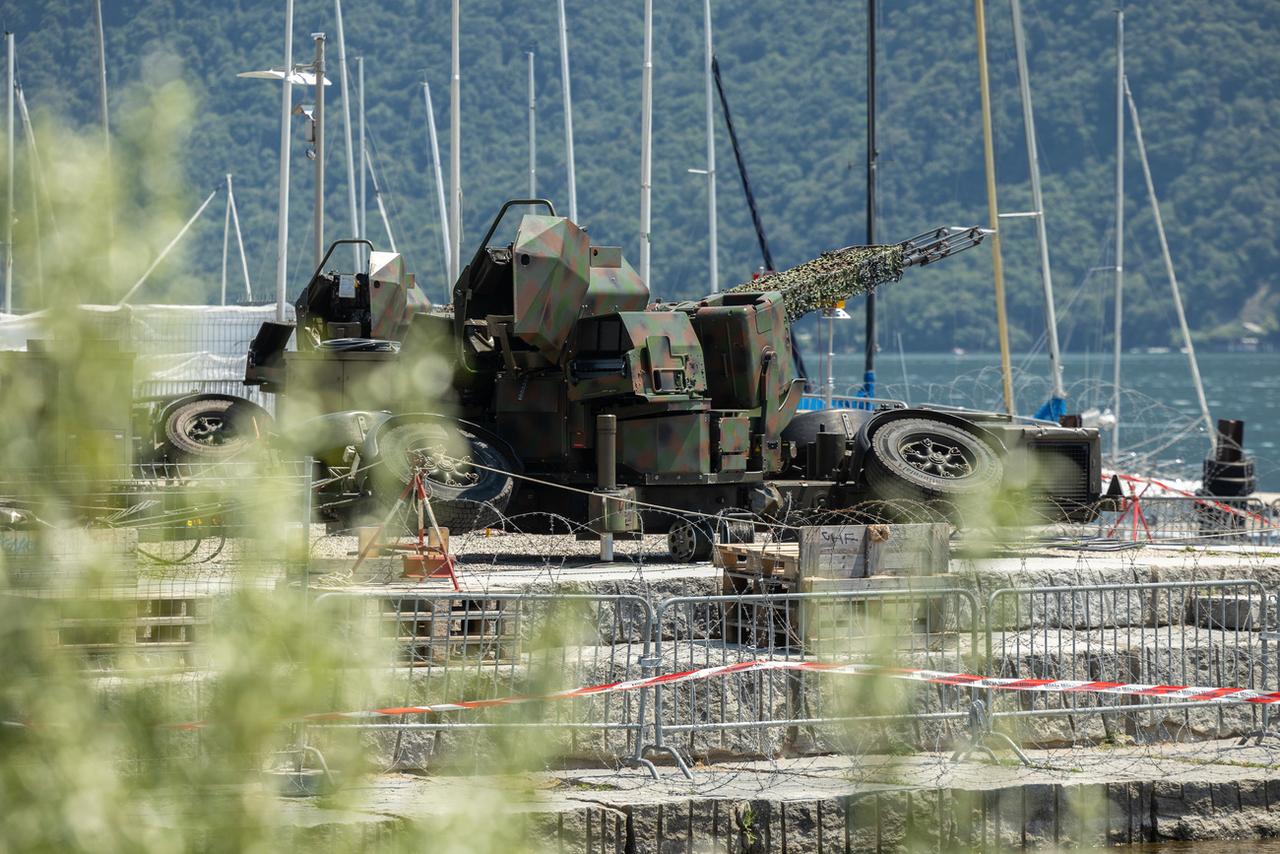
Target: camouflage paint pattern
(831, 277)
(669, 443)
(559, 277)
(551, 273)
(732, 442)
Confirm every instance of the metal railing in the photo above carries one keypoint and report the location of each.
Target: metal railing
(772, 712)
(1190, 519)
(481, 646)
(1202, 633)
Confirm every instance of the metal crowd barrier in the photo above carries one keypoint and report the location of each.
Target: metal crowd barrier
(1190, 519)
(1213, 633)
(775, 712)
(468, 646)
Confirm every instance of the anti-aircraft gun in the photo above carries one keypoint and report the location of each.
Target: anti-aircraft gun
(557, 353)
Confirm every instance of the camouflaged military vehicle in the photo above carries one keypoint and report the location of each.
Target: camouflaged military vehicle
(549, 332)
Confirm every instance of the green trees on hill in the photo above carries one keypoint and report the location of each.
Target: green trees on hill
(1204, 76)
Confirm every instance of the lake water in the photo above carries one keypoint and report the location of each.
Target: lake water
(1160, 431)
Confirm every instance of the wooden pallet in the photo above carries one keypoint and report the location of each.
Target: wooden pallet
(441, 631)
(772, 559)
(114, 626)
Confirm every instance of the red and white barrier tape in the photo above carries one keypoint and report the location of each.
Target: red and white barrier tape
(936, 677)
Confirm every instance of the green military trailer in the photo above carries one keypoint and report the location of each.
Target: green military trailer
(555, 385)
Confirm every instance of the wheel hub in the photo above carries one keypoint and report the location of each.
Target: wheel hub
(936, 458)
(208, 430)
(438, 466)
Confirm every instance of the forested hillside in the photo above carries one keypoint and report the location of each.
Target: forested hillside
(1205, 76)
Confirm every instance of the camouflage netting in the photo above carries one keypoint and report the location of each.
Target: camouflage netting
(831, 277)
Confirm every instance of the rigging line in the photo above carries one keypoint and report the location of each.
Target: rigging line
(172, 243)
(387, 183)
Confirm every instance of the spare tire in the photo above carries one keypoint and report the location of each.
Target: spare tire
(467, 478)
(921, 459)
(213, 429)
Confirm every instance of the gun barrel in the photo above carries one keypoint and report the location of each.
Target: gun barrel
(855, 270)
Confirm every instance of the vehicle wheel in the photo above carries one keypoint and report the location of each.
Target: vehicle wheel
(213, 430)
(921, 459)
(689, 542)
(466, 477)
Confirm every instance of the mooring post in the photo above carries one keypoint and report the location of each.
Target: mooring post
(606, 472)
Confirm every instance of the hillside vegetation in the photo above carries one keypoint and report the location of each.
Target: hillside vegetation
(1204, 76)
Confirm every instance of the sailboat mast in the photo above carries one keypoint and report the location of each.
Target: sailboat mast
(282, 227)
(226, 243)
(356, 248)
(993, 209)
(102, 80)
(8, 209)
(646, 142)
(1210, 430)
(435, 162)
(869, 363)
(568, 114)
(1037, 206)
(1119, 271)
(455, 153)
(319, 147)
(362, 155)
(533, 132)
(713, 250)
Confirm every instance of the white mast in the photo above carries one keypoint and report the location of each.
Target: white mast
(318, 227)
(455, 155)
(226, 243)
(993, 209)
(568, 114)
(102, 80)
(282, 227)
(646, 142)
(435, 161)
(714, 266)
(1211, 431)
(346, 127)
(533, 132)
(235, 223)
(1037, 203)
(8, 209)
(382, 209)
(363, 156)
(1119, 271)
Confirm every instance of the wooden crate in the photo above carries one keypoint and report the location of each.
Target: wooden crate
(860, 551)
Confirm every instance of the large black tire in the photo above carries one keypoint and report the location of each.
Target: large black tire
(213, 430)
(919, 459)
(463, 496)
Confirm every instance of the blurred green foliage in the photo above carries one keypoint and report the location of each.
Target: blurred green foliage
(1202, 75)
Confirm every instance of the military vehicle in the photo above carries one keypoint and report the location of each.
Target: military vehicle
(568, 390)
